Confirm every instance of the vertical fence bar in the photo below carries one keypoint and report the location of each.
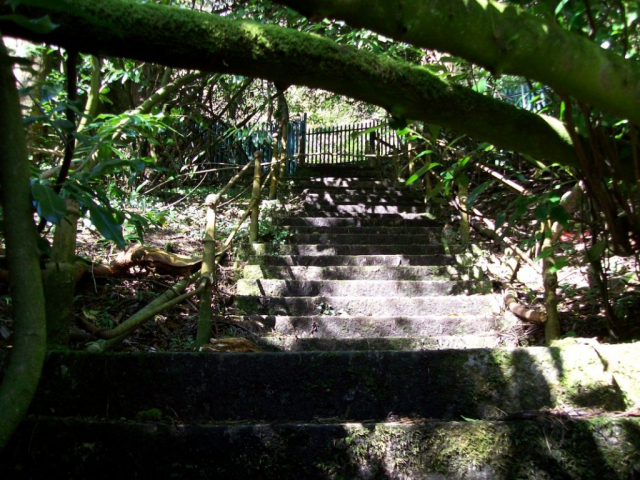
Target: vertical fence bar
(303, 141)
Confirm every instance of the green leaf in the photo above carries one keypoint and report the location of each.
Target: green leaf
(106, 224)
(557, 213)
(501, 219)
(64, 124)
(541, 213)
(38, 25)
(481, 86)
(595, 252)
(476, 192)
(560, 262)
(467, 419)
(434, 130)
(420, 172)
(49, 205)
(425, 152)
(109, 166)
(462, 180)
(435, 190)
(547, 252)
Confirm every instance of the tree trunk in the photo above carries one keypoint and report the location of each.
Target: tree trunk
(23, 371)
(60, 279)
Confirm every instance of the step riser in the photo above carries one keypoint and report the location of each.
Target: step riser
(297, 344)
(326, 250)
(327, 327)
(380, 221)
(341, 199)
(393, 451)
(432, 231)
(360, 273)
(362, 288)
(365, 239)
(434, 384)
(346, 183)
(372, 306)
(371, 190)
(352, 260)
(359, 210)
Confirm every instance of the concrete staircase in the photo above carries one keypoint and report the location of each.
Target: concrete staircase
(366, 270)
(372, 376)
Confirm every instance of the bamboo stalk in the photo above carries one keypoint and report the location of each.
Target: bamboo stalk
(207, 274)
(255, 198)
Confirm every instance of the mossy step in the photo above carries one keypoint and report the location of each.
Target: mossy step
(362, 288)
(301, 386)
(330, 326)
(382, 272)
(433, 237)
(378, 306)
(332, 250)
(537, 448)
(351, 260)
(398, 449)
(313, 344)
(327, 210)
(369, 221)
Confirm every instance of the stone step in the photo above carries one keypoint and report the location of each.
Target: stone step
(348, 182)
(382, 272)
(358, 238)
(360, 288)
(358, 210)
(281, 343)
(356, 196)
(302, 386)
(369, 221)
(333, 250)
(380, 230)
(380, 306)
(543, 446)
(336, 327)
(380, 190)
(327, 198)
(351, 260)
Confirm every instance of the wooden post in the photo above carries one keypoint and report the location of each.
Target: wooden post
(255, 198)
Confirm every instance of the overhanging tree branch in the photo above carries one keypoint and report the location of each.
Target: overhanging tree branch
(193, 40)
(501, 38)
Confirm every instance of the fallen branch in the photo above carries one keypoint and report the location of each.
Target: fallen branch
(528, 314)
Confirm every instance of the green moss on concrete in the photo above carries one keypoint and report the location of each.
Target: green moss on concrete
(528, 450)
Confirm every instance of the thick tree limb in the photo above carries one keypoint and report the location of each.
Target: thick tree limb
(192, 40)
(23, 370)
(501, 38)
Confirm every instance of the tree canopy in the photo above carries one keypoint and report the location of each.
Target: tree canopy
(187, 39)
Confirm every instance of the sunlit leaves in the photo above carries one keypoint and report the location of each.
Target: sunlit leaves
(40, 25)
